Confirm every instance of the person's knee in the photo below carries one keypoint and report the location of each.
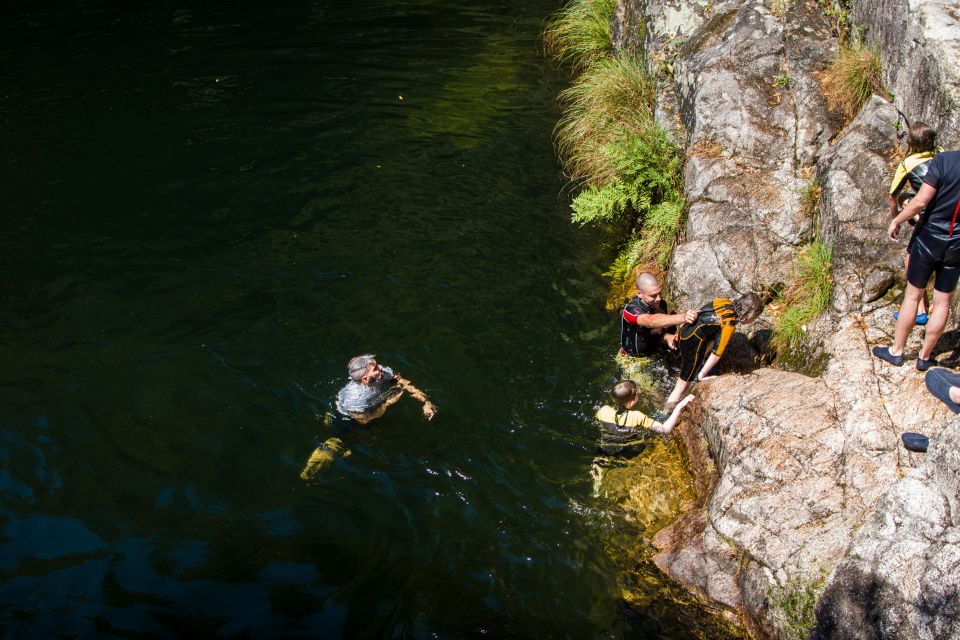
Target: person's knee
(912, 293)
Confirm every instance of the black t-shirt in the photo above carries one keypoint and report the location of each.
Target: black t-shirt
(943, 175)
(938, 234)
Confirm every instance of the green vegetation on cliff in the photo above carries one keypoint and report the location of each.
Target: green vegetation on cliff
(579, 33)
(805, 299)
(797, 603)
(627, 165)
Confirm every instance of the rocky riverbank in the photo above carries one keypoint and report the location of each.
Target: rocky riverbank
(805, 496)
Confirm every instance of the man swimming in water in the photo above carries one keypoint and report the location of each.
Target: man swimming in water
(373, 388)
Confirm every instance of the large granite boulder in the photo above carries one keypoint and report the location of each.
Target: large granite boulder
(800, 464)
(918, 45)
(790, 469)
(901, 577)
(855, 174)
(742, 80)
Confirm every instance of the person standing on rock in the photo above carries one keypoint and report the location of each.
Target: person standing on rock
(714, 327)
(935, 251)
(910, 173)
(644, 321)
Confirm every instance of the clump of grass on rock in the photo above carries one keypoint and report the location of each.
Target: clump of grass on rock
(853, 76)
(579, 33)
(804, 299)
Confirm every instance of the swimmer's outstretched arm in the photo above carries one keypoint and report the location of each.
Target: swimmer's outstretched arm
(668, 425)
(429, 409)
(376, 412)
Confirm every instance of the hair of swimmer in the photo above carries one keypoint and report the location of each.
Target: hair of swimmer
(748, 307)
(624, 392)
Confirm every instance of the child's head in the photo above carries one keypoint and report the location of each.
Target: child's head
(748, 307)
(922, 137)
(625, 393)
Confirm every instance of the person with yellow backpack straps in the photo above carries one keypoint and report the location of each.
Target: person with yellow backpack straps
(907, 181)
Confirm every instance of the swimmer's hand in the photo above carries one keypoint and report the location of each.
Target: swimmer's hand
(429, 410)
(691, 316)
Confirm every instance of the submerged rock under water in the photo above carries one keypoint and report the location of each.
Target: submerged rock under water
(642, 495)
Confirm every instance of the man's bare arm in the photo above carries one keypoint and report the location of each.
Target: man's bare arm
(376, 412)
(429, 409)
(663, 320)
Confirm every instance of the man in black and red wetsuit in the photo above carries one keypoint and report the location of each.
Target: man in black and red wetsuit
(644, 321)
(935, 251)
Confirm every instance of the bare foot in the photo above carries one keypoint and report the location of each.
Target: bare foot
(954, 394)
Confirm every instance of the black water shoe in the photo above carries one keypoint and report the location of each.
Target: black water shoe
(884, 354)
(923, 365)
(915, 441)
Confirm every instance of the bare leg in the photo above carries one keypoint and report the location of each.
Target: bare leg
(677, 392)
(908, 318)
(938, 320)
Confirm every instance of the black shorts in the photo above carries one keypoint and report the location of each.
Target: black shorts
(922, 266)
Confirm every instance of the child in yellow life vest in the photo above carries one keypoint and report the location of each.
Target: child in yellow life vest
(621, 428)
(907, 181)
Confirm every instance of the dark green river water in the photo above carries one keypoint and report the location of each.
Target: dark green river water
(206, 212)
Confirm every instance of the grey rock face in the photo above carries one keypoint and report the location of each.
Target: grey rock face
(920, 51)
(855, 173)
(801, 464)
(742, 78)
(901, 577)
(794, 469)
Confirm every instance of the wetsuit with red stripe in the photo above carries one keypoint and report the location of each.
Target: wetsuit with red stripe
(936, 247)
(637, 340)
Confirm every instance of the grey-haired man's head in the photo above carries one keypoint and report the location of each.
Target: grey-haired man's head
(360, 368)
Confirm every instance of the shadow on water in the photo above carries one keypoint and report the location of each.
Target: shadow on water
(210, 210)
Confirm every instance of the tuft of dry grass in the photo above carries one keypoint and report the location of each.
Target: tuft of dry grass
(779, 8)
(810, 199)
(614, 94)
(579, 33)
(853, 76)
